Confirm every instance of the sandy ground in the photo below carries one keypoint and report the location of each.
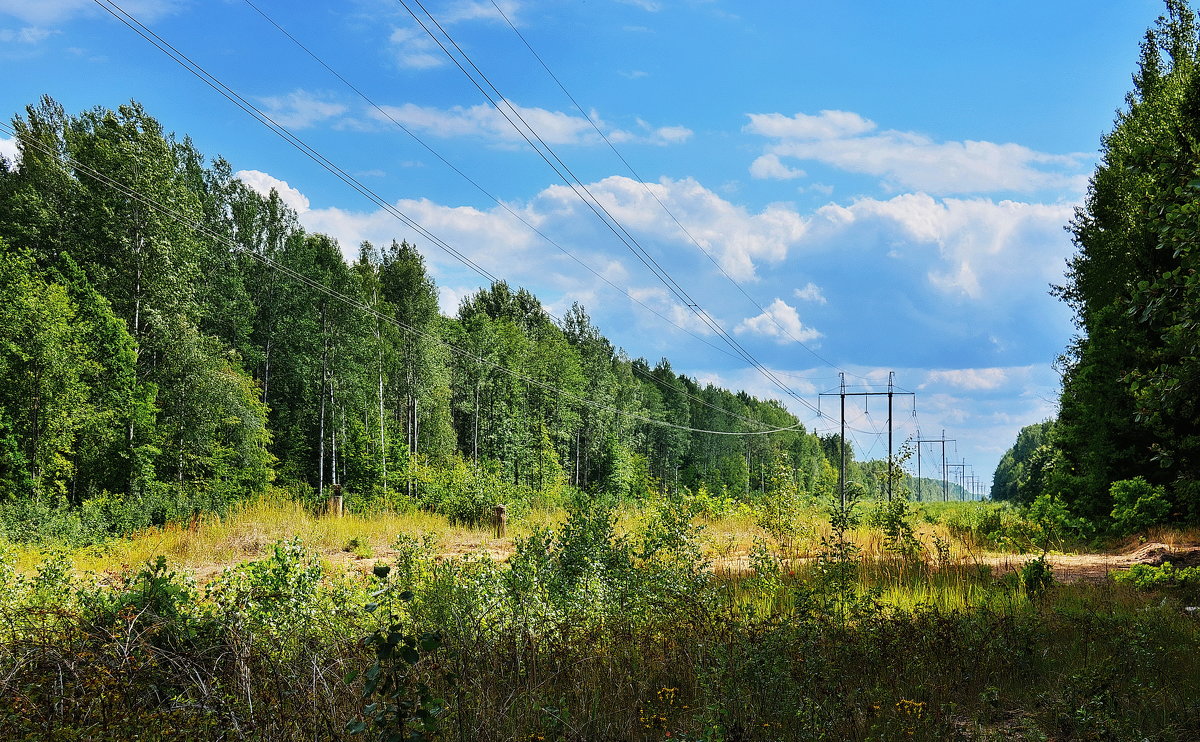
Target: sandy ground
(1096, 567)
(1067, 567)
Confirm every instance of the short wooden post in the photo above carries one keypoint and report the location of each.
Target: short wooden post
(501, 521)
(335, 505)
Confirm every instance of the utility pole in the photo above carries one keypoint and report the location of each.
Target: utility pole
(943, 440)
(842, 468)
(961, 473)
(842, 394)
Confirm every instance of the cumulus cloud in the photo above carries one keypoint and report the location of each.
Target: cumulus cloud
(263, 183)
(659, 301)
(412, 47)
(650, 6)
(554, 127)
(43, 12)
(734, 236)
(998, 255)
(301, 109)
(823, 126)
(770, 167)
(8, 149)
(971, 249)
(477, 10)
(779, 321)
(983, 246)
(810, 292)
(907, 160)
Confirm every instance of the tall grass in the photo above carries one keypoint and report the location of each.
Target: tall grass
(611, 626)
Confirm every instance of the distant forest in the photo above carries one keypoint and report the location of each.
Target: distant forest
(172, 341)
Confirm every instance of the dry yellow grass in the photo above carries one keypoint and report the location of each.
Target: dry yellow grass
(249, 529)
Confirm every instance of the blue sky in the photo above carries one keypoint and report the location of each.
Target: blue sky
(888, 182)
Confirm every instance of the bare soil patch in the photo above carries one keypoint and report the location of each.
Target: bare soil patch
(1096, 567)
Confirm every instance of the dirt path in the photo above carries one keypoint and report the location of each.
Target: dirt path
(1096, 567)
(1067, 567)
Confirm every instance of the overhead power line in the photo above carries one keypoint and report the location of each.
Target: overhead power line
(512, 115)
(265, 119)
(511, 212)
(225, 91)
(650, 191)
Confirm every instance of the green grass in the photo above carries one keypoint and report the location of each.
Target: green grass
(611, 627)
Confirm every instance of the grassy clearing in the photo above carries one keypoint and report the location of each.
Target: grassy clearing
(648, 623)
(249, 529)
(613, 628)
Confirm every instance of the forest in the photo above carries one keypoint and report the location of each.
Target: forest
(180, 343)
(189, 378)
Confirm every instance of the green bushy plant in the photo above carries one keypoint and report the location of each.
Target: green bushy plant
(894, 518)
(1148, 577)
(399, 685)
(1137, 505)
(1037, 576)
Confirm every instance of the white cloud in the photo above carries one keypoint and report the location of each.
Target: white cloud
(974, 379)
(908, 160)
(474, 10)
(670, 135)
(810, 292)
(781, 322)
(650, 6)
(770, 167)
(450, 298)
(998, 255)
(263, 183)
(485, 121)
(554, 127)
(301, 109)
(40, 12)
(823, 126)
(659, 301)
(735, 237)
(413, 49)
(985, 248)
(27, 35)
(8, 149)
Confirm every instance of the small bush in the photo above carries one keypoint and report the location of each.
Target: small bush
(1137, 505)
(1147, 577)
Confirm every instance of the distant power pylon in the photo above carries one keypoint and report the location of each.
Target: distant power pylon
(842, 394)
(943, 440)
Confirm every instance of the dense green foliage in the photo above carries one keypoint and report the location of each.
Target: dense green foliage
(1017, 475)
(171, 347)
(1131, 378)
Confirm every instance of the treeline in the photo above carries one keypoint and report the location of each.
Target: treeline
(1126, 444)
(178, 342)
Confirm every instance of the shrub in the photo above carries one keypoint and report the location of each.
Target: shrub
(1147, 577)
(1137, 505)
